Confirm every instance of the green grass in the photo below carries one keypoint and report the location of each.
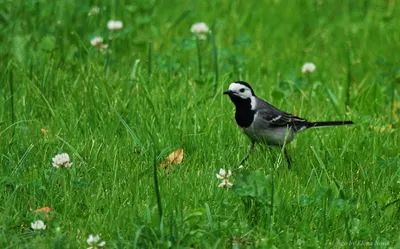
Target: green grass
(116, 117)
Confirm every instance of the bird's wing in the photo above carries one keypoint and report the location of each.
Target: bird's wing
(272, 116)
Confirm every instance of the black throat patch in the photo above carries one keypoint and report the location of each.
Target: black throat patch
(244, 115)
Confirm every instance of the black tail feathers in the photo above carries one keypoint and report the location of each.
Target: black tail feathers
(329, 123)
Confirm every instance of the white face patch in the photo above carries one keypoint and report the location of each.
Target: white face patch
(241, 91)
(253, 102)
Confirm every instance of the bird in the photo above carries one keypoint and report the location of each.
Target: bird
(264, 123)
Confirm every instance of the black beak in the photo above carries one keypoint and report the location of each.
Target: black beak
(229, 92)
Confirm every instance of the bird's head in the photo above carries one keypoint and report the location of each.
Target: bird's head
(240, 89)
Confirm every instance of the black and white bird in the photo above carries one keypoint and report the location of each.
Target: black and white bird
(264, 123)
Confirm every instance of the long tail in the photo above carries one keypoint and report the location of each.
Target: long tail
(329, 123)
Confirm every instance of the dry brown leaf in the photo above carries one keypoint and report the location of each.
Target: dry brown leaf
(44, 210)
(175, 157)
(45, 131)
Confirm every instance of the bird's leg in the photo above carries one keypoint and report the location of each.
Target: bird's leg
(251, 149)
(288, 159)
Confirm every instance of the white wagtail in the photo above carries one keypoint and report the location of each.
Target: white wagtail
(266, 124)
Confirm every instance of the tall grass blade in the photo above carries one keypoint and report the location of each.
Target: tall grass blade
(215, 54)
(157, 189)
(199, 56)
(349, 76)
(11, 82)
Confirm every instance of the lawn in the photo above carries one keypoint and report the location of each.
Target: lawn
(118, 106)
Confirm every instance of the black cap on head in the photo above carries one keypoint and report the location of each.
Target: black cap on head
(246, 84)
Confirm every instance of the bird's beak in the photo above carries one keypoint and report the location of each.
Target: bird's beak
(229, 92)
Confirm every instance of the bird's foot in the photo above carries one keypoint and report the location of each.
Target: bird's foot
(288, 159)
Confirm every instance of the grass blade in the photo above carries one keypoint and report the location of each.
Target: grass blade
(215, 54)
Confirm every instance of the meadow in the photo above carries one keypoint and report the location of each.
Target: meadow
(119, 105)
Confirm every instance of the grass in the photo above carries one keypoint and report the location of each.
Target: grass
(120, 112)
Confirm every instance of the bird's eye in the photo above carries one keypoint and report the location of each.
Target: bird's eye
(242, 90)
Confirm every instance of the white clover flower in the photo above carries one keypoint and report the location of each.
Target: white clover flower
(96, 41)
(94, 11)
(223, 174)
(308, 67)
(102, 47)
(114, 25)
(200, 29)
(241, 166)
(225, 184)
(62, 161)
(38, 225)
(93, 241)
